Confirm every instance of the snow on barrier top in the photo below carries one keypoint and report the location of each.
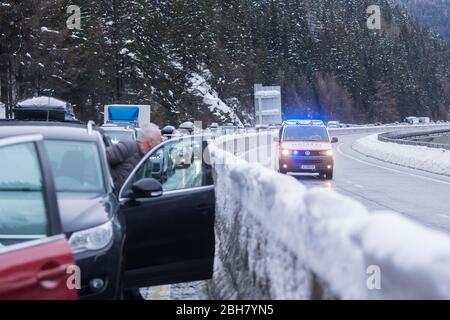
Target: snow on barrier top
(278, 240)
(412, 156)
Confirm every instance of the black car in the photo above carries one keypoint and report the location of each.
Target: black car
(160, 232)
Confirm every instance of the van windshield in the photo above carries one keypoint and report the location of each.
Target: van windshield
(305, 133)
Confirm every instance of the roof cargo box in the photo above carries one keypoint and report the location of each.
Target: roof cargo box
(44, 108)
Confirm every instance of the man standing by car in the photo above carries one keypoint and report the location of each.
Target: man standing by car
(125, 155)
(123, 158)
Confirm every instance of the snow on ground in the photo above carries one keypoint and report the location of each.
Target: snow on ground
(201, 88)
(278, 240)
(45, 29)
(181, 291)
(416, 157)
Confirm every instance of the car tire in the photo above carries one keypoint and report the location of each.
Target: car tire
(328, 175)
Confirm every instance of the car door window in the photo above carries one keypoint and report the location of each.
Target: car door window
(177, 165)
(23, 210)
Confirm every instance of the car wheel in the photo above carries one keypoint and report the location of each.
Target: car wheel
(329, 175)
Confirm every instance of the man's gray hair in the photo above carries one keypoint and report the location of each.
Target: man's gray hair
(147, 132)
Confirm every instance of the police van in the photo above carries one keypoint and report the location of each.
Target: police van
(304, 146)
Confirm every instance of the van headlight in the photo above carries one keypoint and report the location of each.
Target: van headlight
(328, 153)
(285, 152)
(91, 239)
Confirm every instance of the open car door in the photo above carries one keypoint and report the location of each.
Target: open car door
(169, 206)
(34, 253)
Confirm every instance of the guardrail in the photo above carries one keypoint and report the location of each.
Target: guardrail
(275, 239)
(348, 130)
(404, 138)
(384, 128)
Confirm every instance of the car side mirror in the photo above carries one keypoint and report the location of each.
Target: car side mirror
(334, 140)
(147, 188)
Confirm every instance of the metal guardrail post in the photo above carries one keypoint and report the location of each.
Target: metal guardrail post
(257, 146)
(247, 148)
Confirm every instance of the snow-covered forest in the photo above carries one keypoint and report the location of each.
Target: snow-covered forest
(199, 59)
(433, 13)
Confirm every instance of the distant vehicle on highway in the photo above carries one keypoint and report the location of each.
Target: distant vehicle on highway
(412, 120)
(333, 124)
(168, 132)
(35, 255)
(305, 147)
(186, 128)
(424, 120)
(119, 133)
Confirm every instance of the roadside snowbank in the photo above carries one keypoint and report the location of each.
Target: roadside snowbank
(278, 240)
(416, 157)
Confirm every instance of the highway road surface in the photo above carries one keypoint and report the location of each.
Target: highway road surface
(419, 195)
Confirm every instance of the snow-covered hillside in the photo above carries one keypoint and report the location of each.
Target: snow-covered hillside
(201, 87)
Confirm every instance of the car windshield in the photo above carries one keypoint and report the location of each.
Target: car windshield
(75, 165)
(304, 133)
(117, 135)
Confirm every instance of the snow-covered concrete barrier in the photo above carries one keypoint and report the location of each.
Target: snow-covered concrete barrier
(416, 157)
(278, 240)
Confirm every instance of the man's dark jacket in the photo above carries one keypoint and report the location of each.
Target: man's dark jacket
(122, 159)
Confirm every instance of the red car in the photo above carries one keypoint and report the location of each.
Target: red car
(36, 260)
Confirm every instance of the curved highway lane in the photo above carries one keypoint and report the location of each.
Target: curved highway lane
(422, 196)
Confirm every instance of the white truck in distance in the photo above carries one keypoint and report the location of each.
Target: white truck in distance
(136, 115)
